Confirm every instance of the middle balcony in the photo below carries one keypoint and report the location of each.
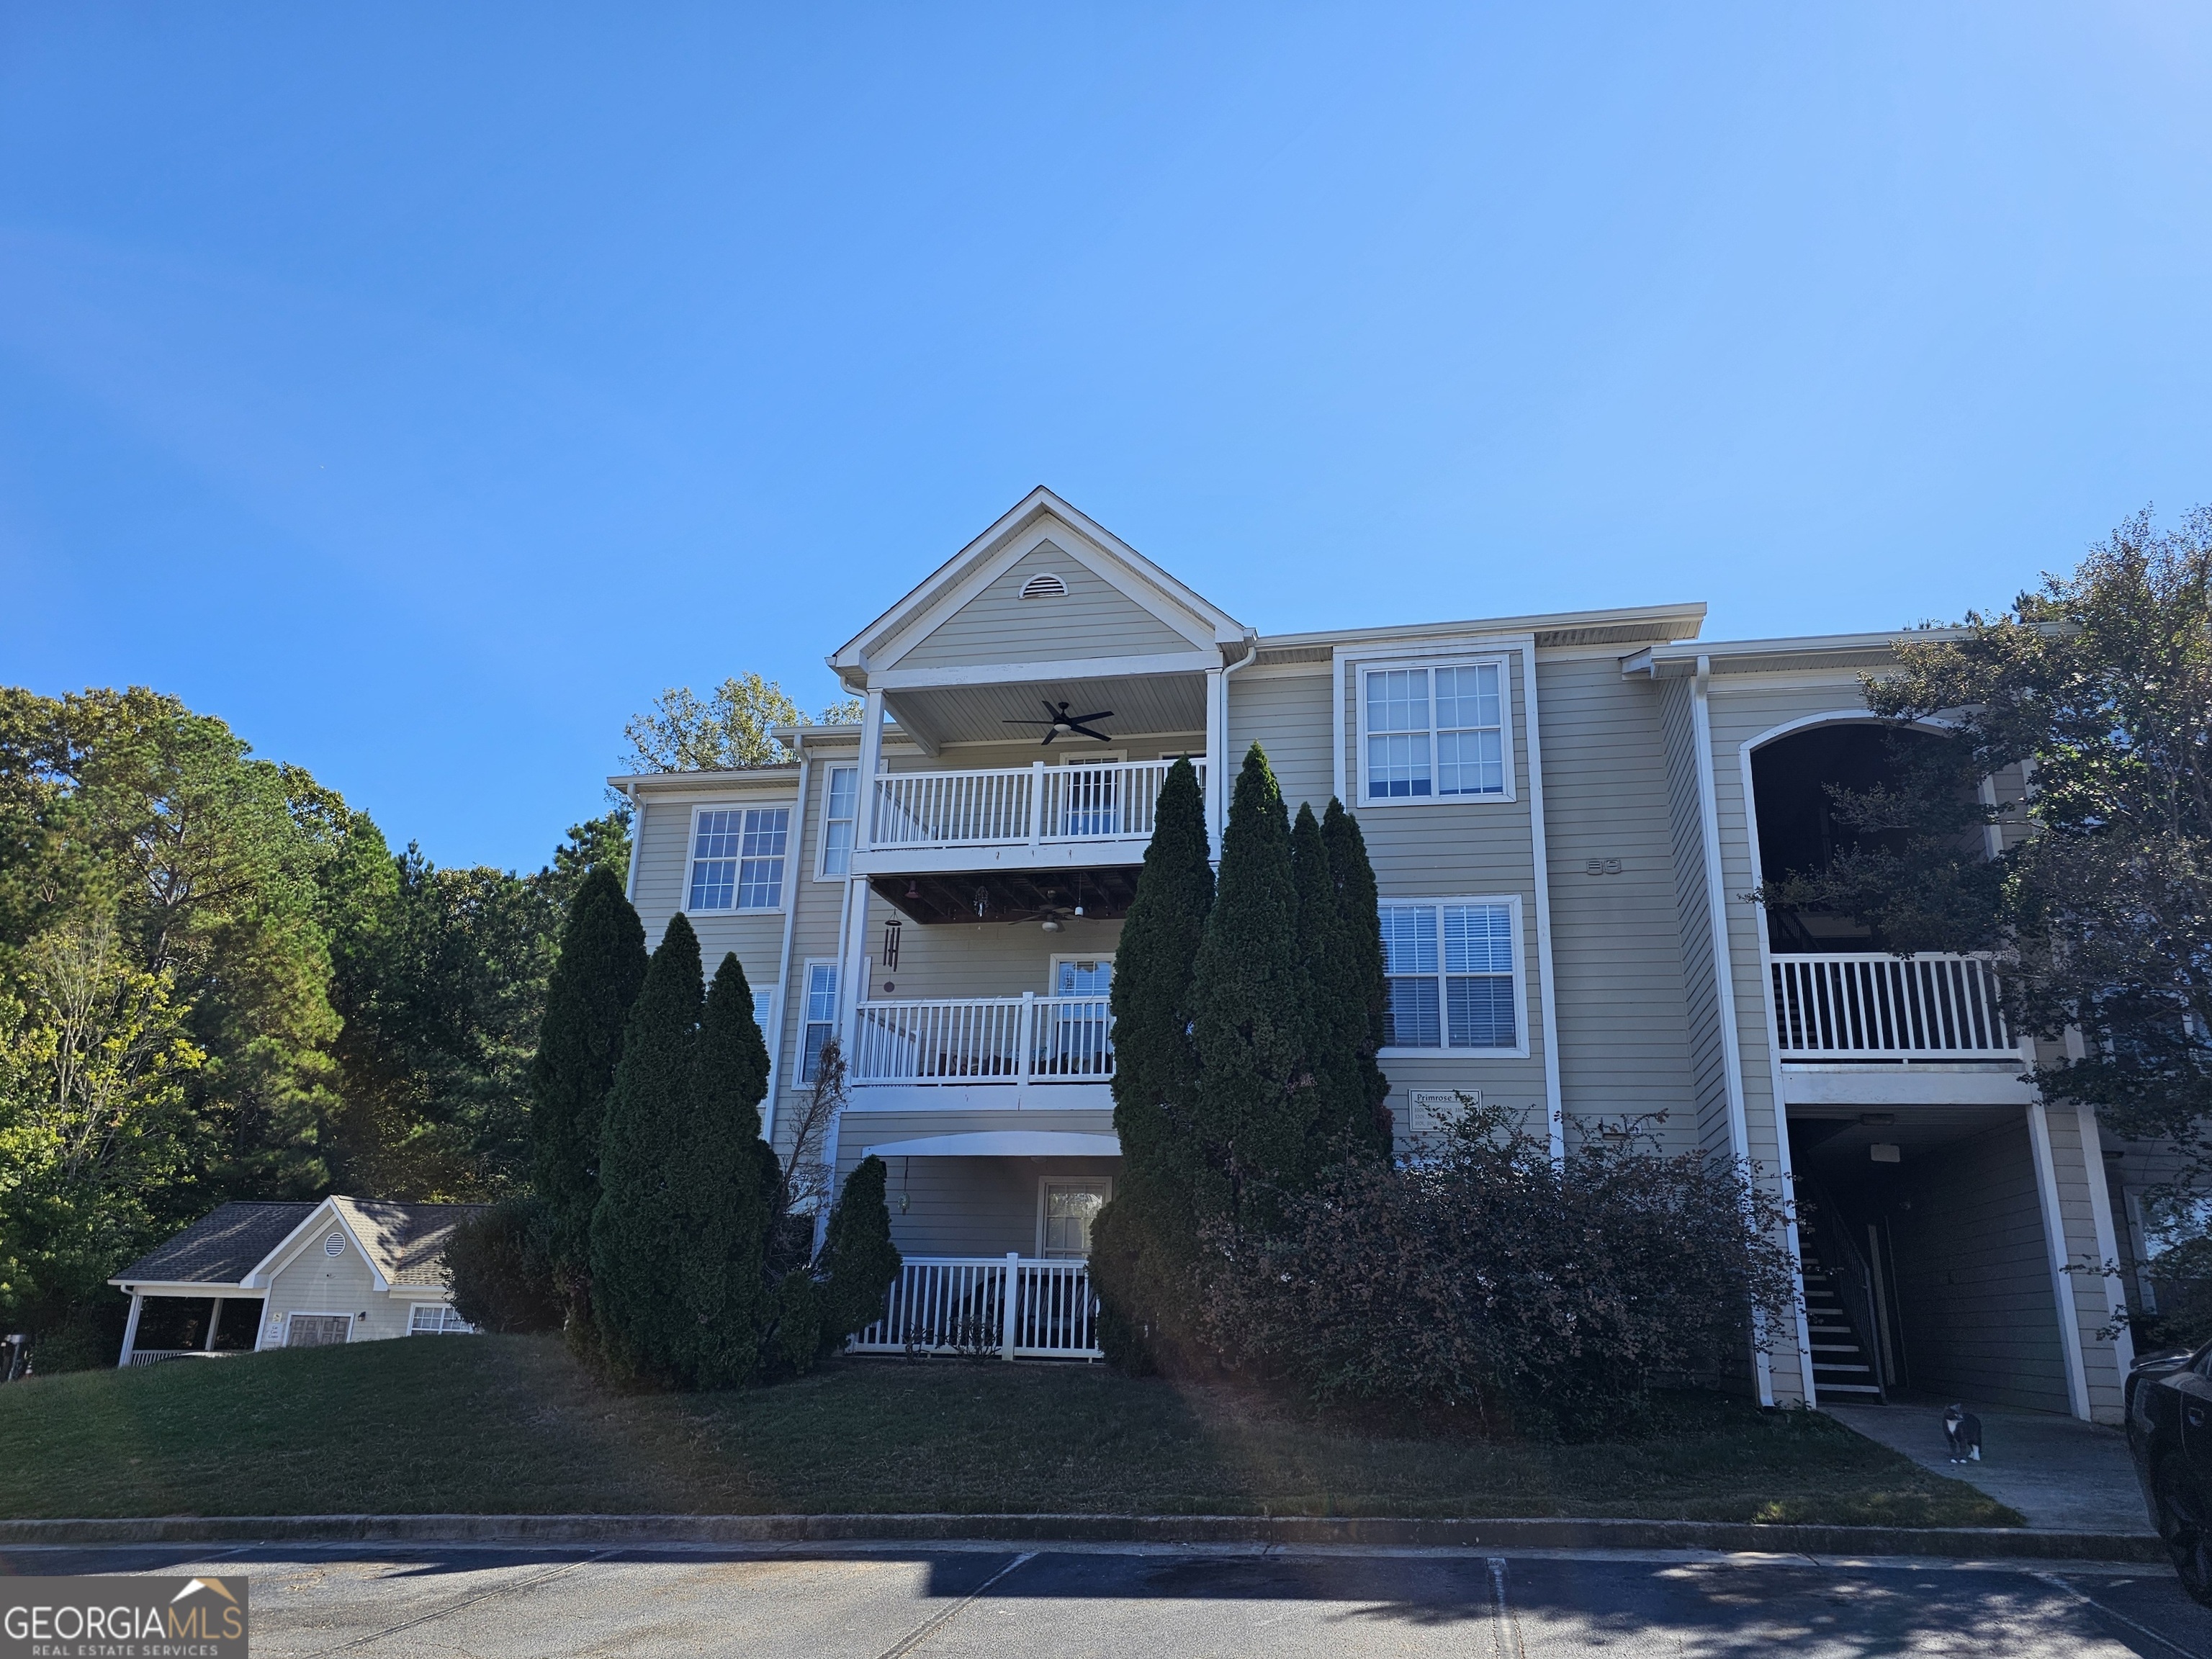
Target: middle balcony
(1035, 817)
(1023, 1051)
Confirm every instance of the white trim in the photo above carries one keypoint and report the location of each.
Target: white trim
(1554, 1093)
(791, 856)
(636, 840)
(2108, 1244)
(131, 1330)
(1502, 661)
(2054, 1244)
(1339, 715)
(806, 967)
(1785, 1171)
(1001, 1143)
(1053, 962)
(1044, 1187)
(1072, 668)
(1520, 971)
(289, 1248)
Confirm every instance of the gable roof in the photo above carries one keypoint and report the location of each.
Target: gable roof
(883, 641)
(238, 1244)
(221, 1248)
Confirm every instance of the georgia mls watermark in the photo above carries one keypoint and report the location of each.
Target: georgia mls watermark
(122, 1618)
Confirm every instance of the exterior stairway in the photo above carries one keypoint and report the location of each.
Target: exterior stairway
(1841, 1364)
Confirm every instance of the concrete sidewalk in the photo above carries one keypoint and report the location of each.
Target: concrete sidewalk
(2063, 1475)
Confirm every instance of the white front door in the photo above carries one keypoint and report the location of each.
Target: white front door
(1069, 1208)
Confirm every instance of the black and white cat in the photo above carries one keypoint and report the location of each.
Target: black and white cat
(1963, 1430)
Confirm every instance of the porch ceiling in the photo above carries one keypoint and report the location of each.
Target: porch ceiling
(1002, 1143)
(978, 713)
(1840, 1140)
(1010, 896)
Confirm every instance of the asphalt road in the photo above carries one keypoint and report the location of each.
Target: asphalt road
(830, 1601)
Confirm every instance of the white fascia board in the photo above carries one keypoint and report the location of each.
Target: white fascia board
(1016, 673)
(188, 1287)
(781, 778)
(1673, 661)
(1904, 1086)
(1690, 616)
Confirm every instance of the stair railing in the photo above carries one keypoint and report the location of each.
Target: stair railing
(1854, 1281)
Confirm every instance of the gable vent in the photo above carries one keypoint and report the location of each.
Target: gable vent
(1044, 585)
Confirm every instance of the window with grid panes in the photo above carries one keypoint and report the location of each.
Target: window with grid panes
(1451, 974)
(821, 1016)
(840, 817)
(1434, 732)
(737, 858)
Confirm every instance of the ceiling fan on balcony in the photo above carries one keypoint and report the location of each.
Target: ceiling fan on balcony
(1051, 913)
(1061, 722)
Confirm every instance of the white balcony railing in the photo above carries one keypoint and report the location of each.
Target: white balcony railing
(962, 1304)
(986, 1040)
(1842, 1006)
(1037, 805)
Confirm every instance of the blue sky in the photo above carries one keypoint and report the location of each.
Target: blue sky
(423, 388)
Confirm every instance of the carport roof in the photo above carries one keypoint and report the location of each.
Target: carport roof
(221, 1248)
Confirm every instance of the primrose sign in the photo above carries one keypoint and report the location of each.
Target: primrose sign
(122, 1618)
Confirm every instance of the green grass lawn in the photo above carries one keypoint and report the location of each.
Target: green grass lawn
(511, 1425)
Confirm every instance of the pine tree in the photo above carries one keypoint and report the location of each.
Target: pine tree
(1142, 1243)
(721, 1219)
(636, 1252)
(1359, 906)
(858, 1257)
(1250, 1120)
(596, 979)
(1333, 1023)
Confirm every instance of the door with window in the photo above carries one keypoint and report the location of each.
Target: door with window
(1090, 802)
(1069, 1209)
(1075, 1037)
(307, 1330)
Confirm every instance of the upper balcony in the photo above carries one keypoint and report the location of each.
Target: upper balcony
(1034, 816)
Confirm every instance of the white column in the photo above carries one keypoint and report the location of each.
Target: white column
(131, 1329)
(2061, 1282)
(872, 761)
(215, 1319)
(2108, 1239)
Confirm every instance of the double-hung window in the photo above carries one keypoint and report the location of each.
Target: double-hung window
(841, 801)
(1433, 732)
(821, 1016)
(1452, 974)
(737, 858)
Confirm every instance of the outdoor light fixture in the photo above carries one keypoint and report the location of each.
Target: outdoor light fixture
(1051, 924)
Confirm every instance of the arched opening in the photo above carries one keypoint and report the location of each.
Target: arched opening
(1798, 831)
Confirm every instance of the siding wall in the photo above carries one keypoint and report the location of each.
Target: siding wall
(1616, 939)
(312, 1282)
(1703, 1036)
(998, 625)
(1287, 715)
(1973, 1285)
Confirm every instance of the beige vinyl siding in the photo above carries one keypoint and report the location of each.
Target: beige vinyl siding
(662, 882)
(311, 1282)
(1288, 717)
(1703, 1036)
(978, 959)
(1974, 1284)
(1616, 939)
(968, 1205)
(1093, 619)
(1027, 751)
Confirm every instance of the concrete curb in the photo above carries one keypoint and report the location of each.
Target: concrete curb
(635, 1531)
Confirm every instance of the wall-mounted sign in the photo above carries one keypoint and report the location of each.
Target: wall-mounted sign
(1432, 1108)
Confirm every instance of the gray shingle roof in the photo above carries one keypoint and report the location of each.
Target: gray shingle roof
(405, 1240)
(221, 1248)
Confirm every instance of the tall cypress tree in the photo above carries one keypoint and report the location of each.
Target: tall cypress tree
(858, 1254)
(721, 1218)
(1250, 1120)
(1142, 1244)
(636, 1252)
(587, 999)
(1358, 907)
(1333, 1023)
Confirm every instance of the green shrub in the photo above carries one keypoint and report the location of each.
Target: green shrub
(499, 1265)
(1489, 1282)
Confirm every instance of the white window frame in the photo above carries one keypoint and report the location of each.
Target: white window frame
(1052, 968)
(822, 870)
(450, 1322)
(1519, 946)
(1045, 1184)
(1360, 668)
(691, 860)
(800, 1073)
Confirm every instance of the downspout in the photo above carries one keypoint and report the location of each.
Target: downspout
(637, 840)
(783, 960)
(1220, 769)
(1555, 1101)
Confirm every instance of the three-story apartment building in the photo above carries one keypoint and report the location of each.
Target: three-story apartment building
(1567, 815)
